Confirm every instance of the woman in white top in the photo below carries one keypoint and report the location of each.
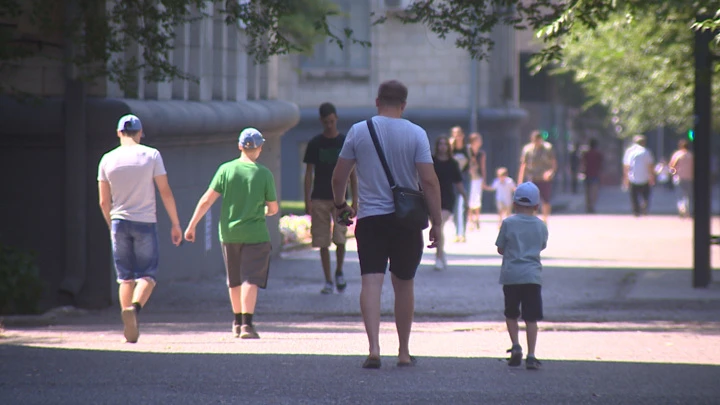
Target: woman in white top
(682, 168)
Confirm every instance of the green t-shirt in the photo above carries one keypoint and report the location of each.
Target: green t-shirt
(245, 187)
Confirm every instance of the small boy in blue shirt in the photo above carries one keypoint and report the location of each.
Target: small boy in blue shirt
(521, 239)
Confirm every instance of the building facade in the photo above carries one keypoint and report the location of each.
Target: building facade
(50, 150)
(446, 88)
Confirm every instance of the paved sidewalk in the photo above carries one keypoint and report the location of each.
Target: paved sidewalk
(597, 268)
(623, 326)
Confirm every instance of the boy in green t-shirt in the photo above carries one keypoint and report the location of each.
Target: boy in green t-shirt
(248, 191)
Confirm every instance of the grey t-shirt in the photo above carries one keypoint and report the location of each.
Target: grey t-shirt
(522, 237)
(131, 171)
(404, 144)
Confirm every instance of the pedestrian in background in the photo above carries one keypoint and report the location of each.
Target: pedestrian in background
(321, 155)
(639, 175)
(682, 168)
(476, 169)
(461, 155)
(248, 195)
(539, 165)
(450, 178)
(521, 239)
(504, 188)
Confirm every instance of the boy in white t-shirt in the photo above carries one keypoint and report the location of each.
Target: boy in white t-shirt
(504, 188)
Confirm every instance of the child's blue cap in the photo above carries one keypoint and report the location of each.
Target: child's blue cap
(527, 195)
(250, 138)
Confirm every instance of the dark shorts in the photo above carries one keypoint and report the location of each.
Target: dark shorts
(379, 240)
(247, 262)
(135, 249)
(545, 188)
(527, 297)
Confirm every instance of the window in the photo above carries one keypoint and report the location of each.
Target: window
(328, 57)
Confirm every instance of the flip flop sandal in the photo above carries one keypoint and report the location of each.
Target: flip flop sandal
(372, 362)
(411, 363)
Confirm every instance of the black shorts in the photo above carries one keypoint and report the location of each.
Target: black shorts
(380, 239)
(527, 296)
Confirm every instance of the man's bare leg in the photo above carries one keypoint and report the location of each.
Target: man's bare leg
(339, 257)
(143, 289)
(546, 208)
(370, 307)
(404, 313)
(125, 293)
(325, 260)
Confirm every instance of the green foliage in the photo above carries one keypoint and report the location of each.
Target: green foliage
(20, 285)
(101, 32)
(639, 65)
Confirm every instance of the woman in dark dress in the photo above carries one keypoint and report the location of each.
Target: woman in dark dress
(448, 173)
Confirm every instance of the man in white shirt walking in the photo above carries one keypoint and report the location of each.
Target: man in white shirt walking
(127, 176)
(639, 174)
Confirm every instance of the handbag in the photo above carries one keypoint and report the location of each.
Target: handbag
(411, 209)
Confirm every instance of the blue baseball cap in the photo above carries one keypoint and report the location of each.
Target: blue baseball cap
(527, 195)
(129, 123)
(250, 138)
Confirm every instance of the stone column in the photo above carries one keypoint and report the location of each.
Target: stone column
(220, 56)
(201, 58)
(181, 59)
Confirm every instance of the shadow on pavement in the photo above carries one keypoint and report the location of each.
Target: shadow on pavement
(41, 376)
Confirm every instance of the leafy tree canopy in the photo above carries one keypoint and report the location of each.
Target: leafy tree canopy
(640, 66)
(100, 29)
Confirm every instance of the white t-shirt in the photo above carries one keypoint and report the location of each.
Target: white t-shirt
(504, 190)
(404, 145)
(522, 237)
(639, 161)
(131, 171)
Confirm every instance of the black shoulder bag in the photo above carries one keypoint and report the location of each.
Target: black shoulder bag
(411, 209)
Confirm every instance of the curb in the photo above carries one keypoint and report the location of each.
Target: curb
(46, 319)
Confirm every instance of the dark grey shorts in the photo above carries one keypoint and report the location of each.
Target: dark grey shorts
(247, 263)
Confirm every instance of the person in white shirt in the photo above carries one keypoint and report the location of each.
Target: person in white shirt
(639, 174)
(504, 187)
(127, 177)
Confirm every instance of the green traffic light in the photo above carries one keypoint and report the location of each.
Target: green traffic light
(691, 135)
(545, 135)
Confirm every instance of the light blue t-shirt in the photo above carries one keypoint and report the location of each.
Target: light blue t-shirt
(522, 237)
(639, 161)
(404, 145)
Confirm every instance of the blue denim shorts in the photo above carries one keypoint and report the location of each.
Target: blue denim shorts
(135, 249)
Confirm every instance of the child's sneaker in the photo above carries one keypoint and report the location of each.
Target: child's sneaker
(515, 356)
(531, 363)
(328, 289)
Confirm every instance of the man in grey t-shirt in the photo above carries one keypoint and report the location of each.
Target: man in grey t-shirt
(379, 238)
(127, 176)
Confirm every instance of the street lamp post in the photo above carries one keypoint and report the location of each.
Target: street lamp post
(702, 275)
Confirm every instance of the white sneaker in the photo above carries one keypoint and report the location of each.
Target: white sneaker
(439, 264)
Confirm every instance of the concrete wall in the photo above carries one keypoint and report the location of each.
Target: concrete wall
(194, 139)
(438, 77)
